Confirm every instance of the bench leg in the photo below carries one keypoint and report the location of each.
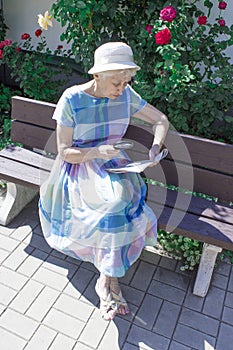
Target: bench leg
(205, 269)
(17, 197)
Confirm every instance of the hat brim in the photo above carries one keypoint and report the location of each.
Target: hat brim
(112, 66)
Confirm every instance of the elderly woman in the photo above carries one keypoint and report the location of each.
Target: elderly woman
(85, 211)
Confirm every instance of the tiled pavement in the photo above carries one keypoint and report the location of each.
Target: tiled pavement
(47, 300)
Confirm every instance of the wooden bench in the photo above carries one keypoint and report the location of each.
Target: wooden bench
(193, 164)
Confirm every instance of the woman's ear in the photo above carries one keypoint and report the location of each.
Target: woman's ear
(96, 76)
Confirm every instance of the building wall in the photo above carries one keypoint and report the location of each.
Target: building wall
(21, 16)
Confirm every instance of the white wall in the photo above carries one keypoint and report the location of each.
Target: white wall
(21, 16)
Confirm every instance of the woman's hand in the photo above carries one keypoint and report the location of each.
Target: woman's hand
(106, 152)
(154, 151)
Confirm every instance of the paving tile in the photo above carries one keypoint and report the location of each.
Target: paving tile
(50, 278)
(229, 299)
(145, 339)
(192, 301)
(192, 338)
(26, 296)
(94, 330)
(74, 307)
(58, 254)
(19, 324)
(230, 284)
(6, 230)
(39, 242)
(2, 308)
(89, 295)
(225, 337)
(22, 232)
(7, 294)
(219, 281)
(33, 262)
(3, 255)
(17, 257)
(143, 276)
(132, 295)
(168, 263)
(128, 346)
(60, 266)
(177, 346)
(172, 278)
(227, 315)
(9, 341)
(115, 335)
(129, 273)
(199, 322)
(11, 278)
(148, 312)
(164, 291)
(8, 243)
(42, 303)
(41, 339)
(223, 268)
(80, 346)
(150, 257)
(168, 311)
(79, 282)
(214, 302)
(62, 342)
(64, 323)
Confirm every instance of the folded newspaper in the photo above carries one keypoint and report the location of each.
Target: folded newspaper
(138, 167)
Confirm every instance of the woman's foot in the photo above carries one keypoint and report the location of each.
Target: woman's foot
(122, 307)
(108, 306)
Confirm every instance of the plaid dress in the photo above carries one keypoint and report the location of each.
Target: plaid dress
(86, 212)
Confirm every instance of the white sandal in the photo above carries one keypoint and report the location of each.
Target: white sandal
(106, 305)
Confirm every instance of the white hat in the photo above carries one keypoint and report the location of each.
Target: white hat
(113, 56)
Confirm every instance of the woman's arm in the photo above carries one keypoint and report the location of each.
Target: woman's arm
(79, 155)
(160, 124)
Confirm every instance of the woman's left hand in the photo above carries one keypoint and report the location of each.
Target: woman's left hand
(154, 151)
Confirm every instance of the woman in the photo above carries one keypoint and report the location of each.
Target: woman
(85, 211)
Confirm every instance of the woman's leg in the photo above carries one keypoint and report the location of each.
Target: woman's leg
(108, 307)
(115, 288)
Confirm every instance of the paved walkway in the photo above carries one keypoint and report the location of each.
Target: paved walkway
(47, 300)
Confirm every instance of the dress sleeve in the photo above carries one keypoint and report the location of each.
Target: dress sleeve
(63, 113)
(136, 102)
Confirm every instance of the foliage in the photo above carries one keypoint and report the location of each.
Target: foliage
(181, 248)
(188, 76)
(33, 68)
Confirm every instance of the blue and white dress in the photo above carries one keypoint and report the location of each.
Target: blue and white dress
(85, 211)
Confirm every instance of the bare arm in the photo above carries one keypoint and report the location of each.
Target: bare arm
(79, 155)
(159, 121)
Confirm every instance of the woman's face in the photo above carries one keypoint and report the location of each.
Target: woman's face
(111, 86)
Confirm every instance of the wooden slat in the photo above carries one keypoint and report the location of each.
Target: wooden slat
(22, 173)
(200, 228)
(23, 155)
(34, 136)
(33, 111)
(188, 203)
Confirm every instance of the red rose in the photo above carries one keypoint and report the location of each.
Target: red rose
(38, 32)
(163, 37)
(168, 13)
(202, 20)
(1, 53)
(18, 49)
(222, 5)
(149, 28)
(221, 22)
(5, 43)
(25, 36)
(59, 47)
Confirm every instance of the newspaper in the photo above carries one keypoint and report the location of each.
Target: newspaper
(138, 167)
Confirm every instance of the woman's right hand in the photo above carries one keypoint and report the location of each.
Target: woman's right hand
(107, 152)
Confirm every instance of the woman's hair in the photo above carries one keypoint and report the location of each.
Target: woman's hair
(128, 73)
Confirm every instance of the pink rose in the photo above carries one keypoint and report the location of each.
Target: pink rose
(221, 22)
(4, 43)
(1, 53)
(202, 20)
(163, 37)
(222, 5)
(168, 13)
(149, 28)
(18, 49)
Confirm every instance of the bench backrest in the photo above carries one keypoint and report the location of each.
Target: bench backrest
(193, 163)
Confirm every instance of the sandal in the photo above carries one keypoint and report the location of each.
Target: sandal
(118, 298)
(108, 307)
